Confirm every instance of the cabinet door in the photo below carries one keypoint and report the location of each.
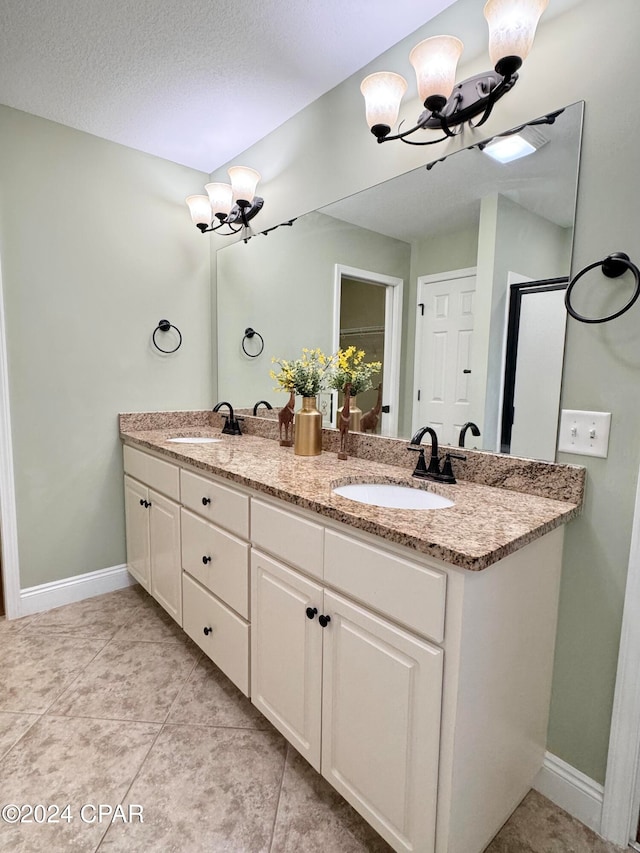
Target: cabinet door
(164, 549)
(136, 497)
(286, 653)
(381, 723)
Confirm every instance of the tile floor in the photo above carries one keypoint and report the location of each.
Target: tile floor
(107, 702)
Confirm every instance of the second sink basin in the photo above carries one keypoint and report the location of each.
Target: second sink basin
(392, 496)
(194, 439)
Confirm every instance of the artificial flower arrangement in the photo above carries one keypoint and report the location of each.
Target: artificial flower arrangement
(350, 367)
(307, 375)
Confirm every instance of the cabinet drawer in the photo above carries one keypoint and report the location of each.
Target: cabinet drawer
(223, 506)
(411, 594)
(160, 475)
(294, 539)
(227, 639)
(216, 559)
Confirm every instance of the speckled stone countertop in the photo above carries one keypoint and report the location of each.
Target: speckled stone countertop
(484, 525)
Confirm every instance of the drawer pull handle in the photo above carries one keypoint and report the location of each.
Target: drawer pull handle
(311, 612)
(208, 631)
(324, 620)
(206, 501)
(206, 560)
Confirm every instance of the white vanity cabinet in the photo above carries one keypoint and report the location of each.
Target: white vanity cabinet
(215, 581)
(153, 528)
(424, 698)
(357, 696)
(418, 689)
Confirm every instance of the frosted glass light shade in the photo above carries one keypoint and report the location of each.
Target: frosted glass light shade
(243, 183)
(435, 61)
(383, 92)
(200, 209)
(512, 26)
(221, 198)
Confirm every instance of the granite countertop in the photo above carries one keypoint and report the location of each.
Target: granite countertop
(484, 525)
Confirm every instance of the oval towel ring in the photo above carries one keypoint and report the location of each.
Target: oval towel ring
(613, 266)
(164, 326)
(250, 333)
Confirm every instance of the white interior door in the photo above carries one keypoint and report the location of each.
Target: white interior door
(443, 370)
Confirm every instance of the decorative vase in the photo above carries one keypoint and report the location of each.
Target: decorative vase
(354, 415)
(308, 429)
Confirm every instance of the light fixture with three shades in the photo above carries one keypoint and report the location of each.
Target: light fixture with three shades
(227, 206)
(449, 106)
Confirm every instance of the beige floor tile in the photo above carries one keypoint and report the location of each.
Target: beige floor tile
(130, 681)
(97, 618)
(78, 762)
(36, 669)
(152, 624)
(221, 793)
(14, 626)
(209, 698)
(312, 816)
(538, 826)
(12, 727)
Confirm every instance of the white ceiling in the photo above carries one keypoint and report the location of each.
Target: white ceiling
(193, 81)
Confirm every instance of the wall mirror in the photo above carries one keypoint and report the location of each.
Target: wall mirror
(423, 272)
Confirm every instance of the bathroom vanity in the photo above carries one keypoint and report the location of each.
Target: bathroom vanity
(407, 654)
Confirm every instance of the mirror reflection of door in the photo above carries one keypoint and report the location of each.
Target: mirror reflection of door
(368, 315)
(362, 325)
(443, 369)
(536, 327)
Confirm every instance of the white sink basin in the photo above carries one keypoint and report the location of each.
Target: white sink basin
(194, 439)
(391, 496)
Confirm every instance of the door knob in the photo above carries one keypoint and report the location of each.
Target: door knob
(206, 501)
(324, 620)
(206, 560)
(208, 631)
(311, 612)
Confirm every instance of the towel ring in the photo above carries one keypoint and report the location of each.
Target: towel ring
(164, 326)
(613, 266)
(250, 333)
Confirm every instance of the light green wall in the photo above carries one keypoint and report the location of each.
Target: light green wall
(512, 239)
(96, 247)
(282, 285)
(326, 152)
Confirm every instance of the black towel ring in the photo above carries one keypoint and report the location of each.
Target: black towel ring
(250, 333)
(164, 326)
(613, 266)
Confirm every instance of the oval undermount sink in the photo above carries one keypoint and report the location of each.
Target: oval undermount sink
(194, 439)
(392, 496)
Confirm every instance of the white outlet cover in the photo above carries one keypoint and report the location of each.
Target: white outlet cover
(584, 433)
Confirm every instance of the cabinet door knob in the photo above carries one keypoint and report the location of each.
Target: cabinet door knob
(206, 501)
(311, 612)
(324, 620)
(206, 560)
(147, 504)
(208, 631)
(142, 502)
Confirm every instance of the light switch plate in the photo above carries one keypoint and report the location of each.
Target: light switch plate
(585, 433)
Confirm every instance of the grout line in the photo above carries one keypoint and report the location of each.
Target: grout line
(186, 681)
(275, 817)
(38, 717)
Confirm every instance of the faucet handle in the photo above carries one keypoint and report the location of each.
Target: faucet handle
(421, 465)
(447, 475)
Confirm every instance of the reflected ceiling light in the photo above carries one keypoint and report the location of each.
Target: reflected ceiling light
(506, 149)
(448, 106)
(229, 206)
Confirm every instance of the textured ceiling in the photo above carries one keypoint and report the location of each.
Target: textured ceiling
(194, 81)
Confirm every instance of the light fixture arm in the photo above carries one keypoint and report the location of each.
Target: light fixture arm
(473, 97)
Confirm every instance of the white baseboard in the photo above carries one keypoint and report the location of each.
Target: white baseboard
(35, 599)
(571, 790)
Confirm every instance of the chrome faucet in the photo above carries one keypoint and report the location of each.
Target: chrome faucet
(474, 431)
(432, 472)
(231, 425)
(261, 403)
